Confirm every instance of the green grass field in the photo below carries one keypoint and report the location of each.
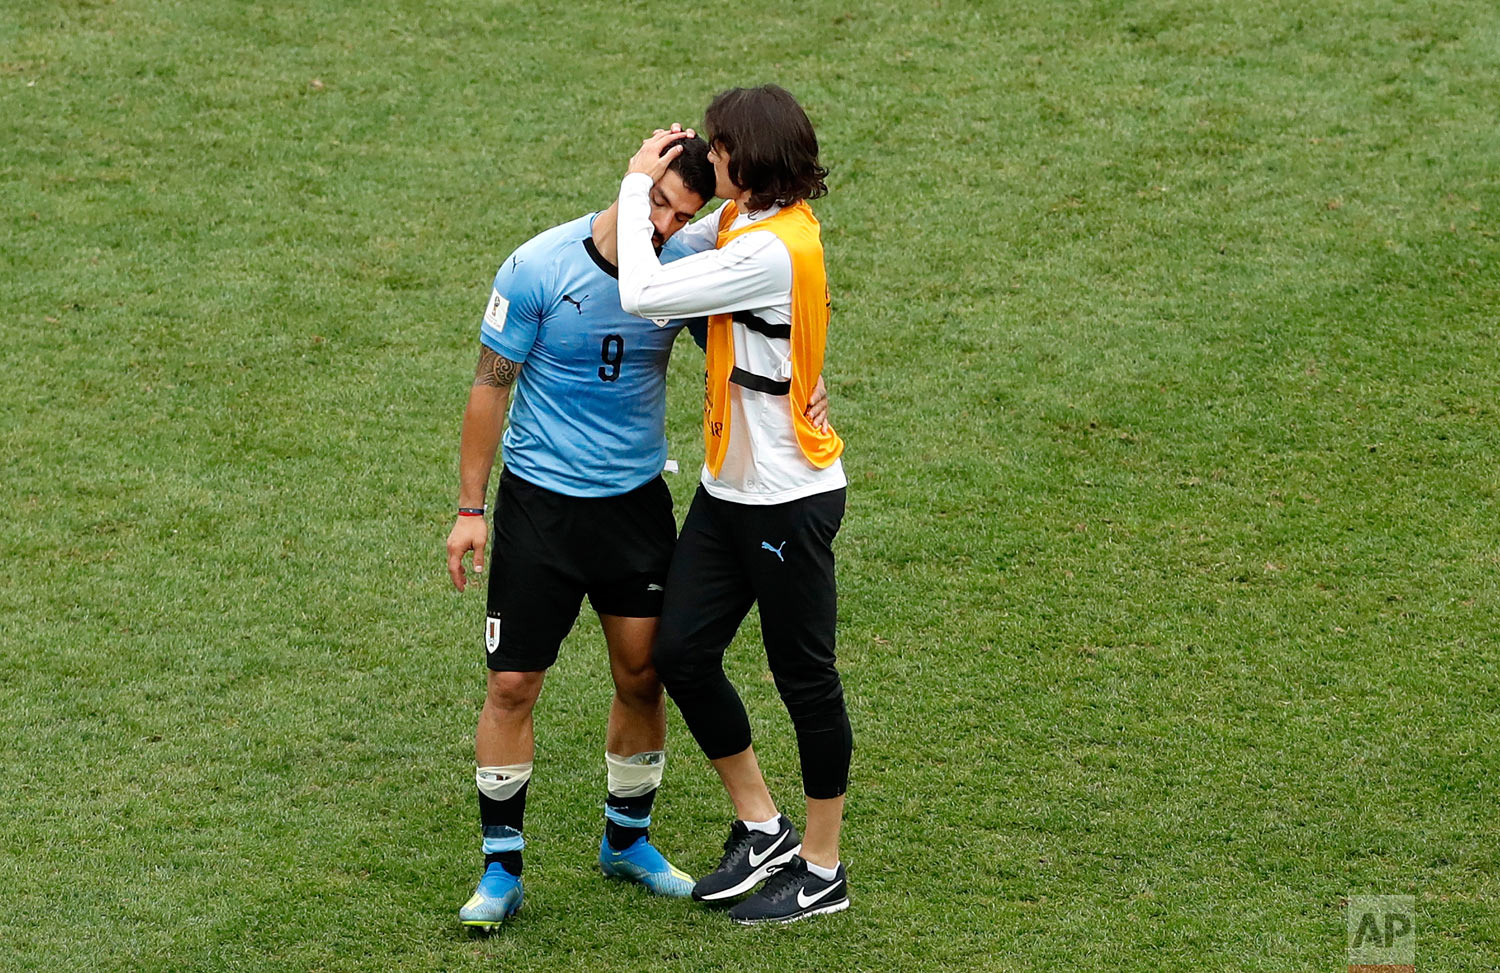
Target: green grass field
(1165, 346)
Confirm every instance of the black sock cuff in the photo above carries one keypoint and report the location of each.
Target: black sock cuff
(637, 806)
(509, 860)
(510, 812)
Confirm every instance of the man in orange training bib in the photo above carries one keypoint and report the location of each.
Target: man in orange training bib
(771, 497)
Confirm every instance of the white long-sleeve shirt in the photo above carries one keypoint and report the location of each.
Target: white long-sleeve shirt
(763, 462)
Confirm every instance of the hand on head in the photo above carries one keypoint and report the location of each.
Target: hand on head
(658, 151)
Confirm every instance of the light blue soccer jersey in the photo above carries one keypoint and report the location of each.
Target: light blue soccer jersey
(588, 411)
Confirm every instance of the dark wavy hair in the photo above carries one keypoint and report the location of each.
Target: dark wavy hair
(772, 149)
(693, 166)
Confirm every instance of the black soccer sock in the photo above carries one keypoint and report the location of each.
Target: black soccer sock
(627, 819)
(501, 822)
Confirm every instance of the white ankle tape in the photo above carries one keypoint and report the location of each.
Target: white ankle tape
(502, 783)
(635, 775)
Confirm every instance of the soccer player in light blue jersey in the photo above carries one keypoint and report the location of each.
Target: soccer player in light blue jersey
(581, 510)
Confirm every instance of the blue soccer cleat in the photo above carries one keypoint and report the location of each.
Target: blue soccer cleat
(497, 899)
(642, 863)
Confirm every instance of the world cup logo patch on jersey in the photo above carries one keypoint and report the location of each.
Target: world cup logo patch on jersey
(491, 634)
(495, 311)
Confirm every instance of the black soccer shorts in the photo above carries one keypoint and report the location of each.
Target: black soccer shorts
(551, 549)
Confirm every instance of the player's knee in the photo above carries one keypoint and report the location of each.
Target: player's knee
(813, 701)
(513, 692)
(669, 658)
(637, 684)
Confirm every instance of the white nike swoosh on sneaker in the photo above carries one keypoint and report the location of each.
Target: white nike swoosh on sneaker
(803, 901)
(755, 859)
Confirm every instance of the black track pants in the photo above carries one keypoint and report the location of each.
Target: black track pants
(730, 555)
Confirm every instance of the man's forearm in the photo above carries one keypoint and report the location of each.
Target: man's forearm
(634, 255)
(747, 273)
(484, 420)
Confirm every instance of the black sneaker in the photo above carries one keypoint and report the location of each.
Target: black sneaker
(794, 893)
(750, 857)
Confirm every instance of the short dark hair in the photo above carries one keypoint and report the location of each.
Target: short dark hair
(773, 151)
(693, 166)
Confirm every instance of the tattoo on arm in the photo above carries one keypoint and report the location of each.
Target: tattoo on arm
(495, 370)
